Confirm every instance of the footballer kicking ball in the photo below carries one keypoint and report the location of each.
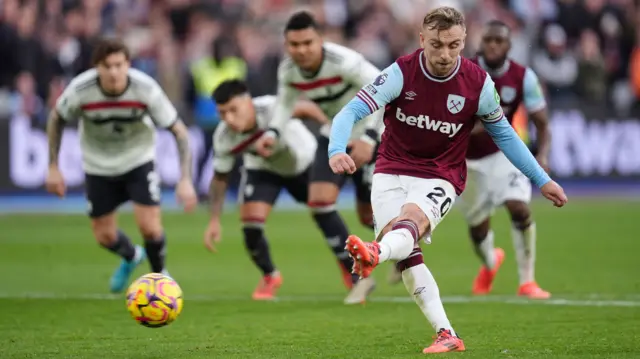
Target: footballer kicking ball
(154, 300)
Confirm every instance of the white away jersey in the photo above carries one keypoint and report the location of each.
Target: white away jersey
(294, 154)
(117, 133)
(342, 73)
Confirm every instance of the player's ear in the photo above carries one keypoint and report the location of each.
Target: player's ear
(422, 42)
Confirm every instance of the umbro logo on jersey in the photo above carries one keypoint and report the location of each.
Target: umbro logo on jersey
(410, 95)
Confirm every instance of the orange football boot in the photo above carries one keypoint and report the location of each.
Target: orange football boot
(445, 342)
(365, 255)
(267, 287)
(484, 280)
(532, 290)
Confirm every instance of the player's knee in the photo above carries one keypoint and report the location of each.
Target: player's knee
(151, 230)
(105, 233)
(412, 213)
(323, 193)
(414, 259)
(519, 212)
(479, 232)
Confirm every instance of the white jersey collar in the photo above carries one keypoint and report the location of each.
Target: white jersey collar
(438, 79)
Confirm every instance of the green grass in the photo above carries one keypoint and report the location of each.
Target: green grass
(587, 254)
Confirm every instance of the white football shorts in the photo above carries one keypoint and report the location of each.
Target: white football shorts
(389, 193)
(491, 181)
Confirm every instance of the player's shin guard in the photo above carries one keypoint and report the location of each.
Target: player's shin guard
(122, 246)
(156, 251)
(524, 242)
(335, 233)
(398, 243)
(423, 288)
(258, 247)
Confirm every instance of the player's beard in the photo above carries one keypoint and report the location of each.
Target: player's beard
(494, 64)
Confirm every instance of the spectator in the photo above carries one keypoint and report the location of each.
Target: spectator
(555, 64)
(591, 84)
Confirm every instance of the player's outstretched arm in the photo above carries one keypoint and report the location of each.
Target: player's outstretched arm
(184, 190)
(217, 194)
(67, 108)
(385, 88)
(165, 115)
(55, 126)
(54, 181)
(512, 146)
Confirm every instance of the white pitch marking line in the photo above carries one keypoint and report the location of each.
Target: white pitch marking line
(327, 299)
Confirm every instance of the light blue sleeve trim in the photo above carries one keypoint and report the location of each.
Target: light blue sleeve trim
(385, 88)
(489, 109)
(516, 151)
(343, 123)
(533, 97)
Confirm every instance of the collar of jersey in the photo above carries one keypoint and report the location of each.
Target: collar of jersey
(497, 72)
(435, 78)
(106, 94)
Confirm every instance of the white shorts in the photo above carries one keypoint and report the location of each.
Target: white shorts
(389, 193)
(491, 181)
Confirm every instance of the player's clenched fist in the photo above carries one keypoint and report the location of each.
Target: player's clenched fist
(553, 192)
(55, 182)
(342, 163)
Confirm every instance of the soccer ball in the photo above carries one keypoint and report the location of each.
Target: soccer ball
(154, 300)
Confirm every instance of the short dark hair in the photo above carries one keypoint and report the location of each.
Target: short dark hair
(498, 23)
(443, 18)
(106, 47)
(229, 89)
(301, 20)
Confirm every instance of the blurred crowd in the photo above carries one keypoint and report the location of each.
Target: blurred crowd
(582, 50)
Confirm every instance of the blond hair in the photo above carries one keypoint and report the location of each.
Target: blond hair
(443, 18)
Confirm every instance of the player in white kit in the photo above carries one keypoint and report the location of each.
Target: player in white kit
(329, 75)
(244, 120)
(119, 109)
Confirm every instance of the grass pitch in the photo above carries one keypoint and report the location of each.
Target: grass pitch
(54, 301)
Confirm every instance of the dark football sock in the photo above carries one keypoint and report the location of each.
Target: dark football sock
(156, 251)
(122, 247)
(258, 249)
(335, 233)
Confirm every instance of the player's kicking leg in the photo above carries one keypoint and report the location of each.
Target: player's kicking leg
(258, 193)
(523, 232)
(400, 205)
(104, 195)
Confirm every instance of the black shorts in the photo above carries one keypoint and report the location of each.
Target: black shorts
(264, 186)
(321, 172)
(105, 194)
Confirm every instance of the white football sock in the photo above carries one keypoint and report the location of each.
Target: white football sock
(396, 244)
(485, 250)
(423, 288)
(524, 242)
